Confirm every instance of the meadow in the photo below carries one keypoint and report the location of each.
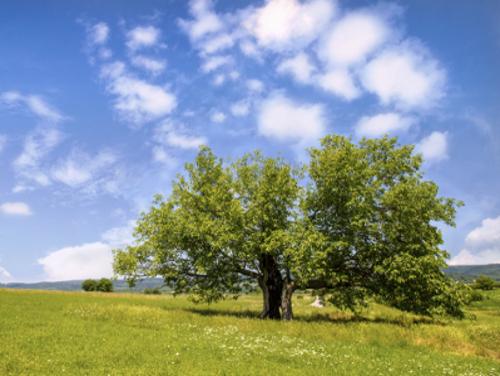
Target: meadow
(77, 333)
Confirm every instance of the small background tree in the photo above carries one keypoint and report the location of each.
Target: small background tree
(105, 285)
(89, 285)
(484, 283)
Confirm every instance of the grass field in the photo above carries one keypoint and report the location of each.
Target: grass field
(60, 333)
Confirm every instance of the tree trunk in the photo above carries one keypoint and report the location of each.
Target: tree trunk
(271, 284)
(265, 297)
(286, 300)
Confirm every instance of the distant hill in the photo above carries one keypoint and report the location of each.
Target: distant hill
(459, 272)
(120, 285)
(470, 272)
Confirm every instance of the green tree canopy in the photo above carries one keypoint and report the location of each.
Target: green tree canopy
(484, 282)
(89, 285)
(362, 222)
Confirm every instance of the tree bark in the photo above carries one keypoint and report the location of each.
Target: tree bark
(286, 300)
(271, 284)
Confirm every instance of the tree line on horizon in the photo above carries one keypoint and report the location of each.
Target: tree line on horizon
(358, 221)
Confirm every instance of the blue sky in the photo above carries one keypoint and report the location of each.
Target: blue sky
(101, 103)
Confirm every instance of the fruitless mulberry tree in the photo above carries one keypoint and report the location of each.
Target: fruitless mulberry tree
(363, 225)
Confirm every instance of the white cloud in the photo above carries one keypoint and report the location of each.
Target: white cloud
(33, 103)
(218, 117)
(340, 83)
(177, 137)
(217, 43)
(299, 66)
(485, 236)
(464, 257)
(219, 79)
(5, 276)
(353, 38)
(288, 24)
(380, 124)
(143, 36)
(105, 53)
(99, 33)
(89, 260)
(136, 100)
(120, 236)
(286, 120)
(240, 109)
(205, 21)
(80, 169)
(161, 155)
(434, 147)
(153, 66)
(15, 208)
(250, 49)
(406, 76)
(482, 245)
(234, 75)
(255, 85)
(215, 62)
(37, 145)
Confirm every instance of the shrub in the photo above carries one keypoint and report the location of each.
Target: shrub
(89, 285)
(152, 291)
(476, 296)
(105, 285)
(484, 283)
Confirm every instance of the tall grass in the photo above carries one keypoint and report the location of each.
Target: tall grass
(90, 333)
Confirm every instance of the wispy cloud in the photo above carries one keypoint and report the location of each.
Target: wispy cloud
(32, 103)
(15, 209)
(299, 66)
(149, 64)
(204, 22)
(136, 100)
(91, 174)
(98, 33)
(143, 36)
(177, 136)
(37, 145)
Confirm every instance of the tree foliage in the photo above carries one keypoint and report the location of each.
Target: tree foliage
(484, 283)
(102, 285)
(89, 285)
(362, 222)
(105, 285)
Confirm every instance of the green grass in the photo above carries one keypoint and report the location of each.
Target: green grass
(57, 333)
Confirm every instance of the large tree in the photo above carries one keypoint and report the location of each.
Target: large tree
(213, 236)
(362, 223)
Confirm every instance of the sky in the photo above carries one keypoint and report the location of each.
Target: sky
(101, 104)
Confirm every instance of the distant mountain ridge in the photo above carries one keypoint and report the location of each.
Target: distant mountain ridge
(459, 272)
(76, 285)
(471, 272)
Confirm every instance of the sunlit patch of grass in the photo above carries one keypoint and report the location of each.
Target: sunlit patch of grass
(131, 334)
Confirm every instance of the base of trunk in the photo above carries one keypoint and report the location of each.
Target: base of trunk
(286, 301)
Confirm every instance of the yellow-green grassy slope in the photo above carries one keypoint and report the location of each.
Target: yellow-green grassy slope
(92, 334)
